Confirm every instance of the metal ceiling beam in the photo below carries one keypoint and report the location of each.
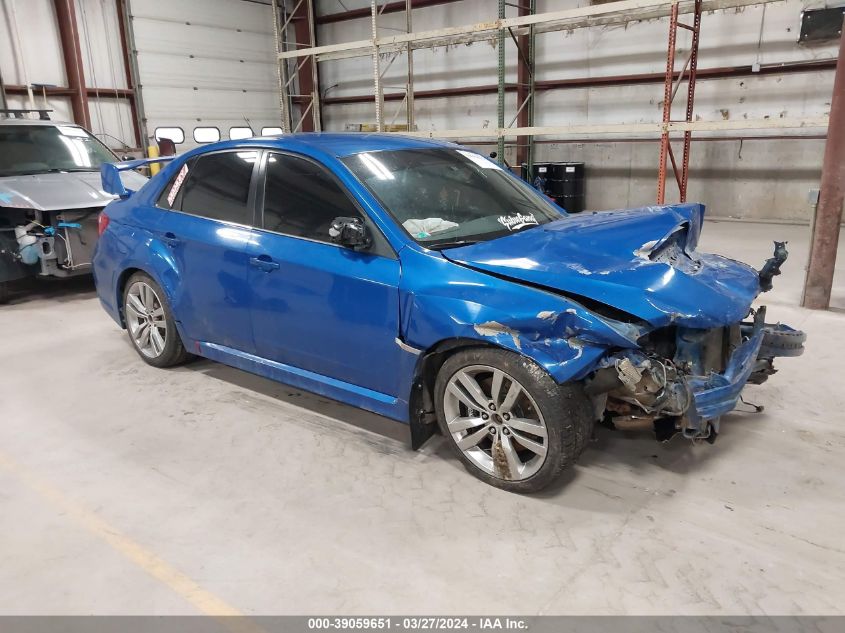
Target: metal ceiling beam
(592, 15)
(597, 82)
(390, 7)
(631, 128)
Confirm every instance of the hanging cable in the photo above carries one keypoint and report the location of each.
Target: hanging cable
(91, 65)
(21, 57)
(117, 101)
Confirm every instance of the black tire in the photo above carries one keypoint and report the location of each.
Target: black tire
(565, 409)
(4, 291)
(174, 352)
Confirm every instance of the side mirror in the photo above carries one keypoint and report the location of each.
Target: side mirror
(350, 232)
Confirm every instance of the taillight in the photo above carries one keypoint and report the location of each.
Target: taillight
(102, 223)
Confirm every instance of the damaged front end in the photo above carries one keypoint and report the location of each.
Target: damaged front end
(682, 380)
(687, 340)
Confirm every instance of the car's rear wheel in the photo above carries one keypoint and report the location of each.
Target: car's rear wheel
(4, 291)
(508, 421)
(150, 323)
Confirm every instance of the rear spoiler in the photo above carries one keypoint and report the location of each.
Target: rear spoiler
(110, 174)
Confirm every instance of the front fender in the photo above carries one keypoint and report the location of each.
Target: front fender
(443, 300)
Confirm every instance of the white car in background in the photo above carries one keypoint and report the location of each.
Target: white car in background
(50, 198)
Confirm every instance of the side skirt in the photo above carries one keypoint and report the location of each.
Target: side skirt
(345, 392)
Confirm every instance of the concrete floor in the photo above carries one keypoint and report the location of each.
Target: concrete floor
(130, 490)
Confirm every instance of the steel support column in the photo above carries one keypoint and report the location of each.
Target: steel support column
(525, 88)
(127, 45)
(2, 93)
(377, 89)
(500, 103)
(72, 53)
(825, 239)
(303, 25)
(670, 89)
(409, 87)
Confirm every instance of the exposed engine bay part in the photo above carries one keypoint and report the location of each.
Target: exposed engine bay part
(772, 266)
(46, 243)
(654, 386)
(27, 244)
(682, 380)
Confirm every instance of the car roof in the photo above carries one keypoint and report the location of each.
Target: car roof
(335, 143)
(35, 122)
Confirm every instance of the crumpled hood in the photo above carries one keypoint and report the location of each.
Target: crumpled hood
(51, 192)
(642, 261)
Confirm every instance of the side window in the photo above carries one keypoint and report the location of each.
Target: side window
(217, 186)
(301, 198)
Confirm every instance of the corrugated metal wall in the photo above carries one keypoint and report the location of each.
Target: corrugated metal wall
(206, 63)
(40, 61)
(744, 178)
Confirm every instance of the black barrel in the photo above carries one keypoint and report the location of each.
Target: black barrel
(567, 185)
(562, 181)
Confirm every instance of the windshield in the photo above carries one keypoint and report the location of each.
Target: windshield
(40, 149)
(448, 197)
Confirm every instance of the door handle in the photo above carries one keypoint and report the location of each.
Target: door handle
(170, 239)
(264, 263)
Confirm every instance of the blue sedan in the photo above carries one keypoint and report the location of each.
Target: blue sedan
(421, 281)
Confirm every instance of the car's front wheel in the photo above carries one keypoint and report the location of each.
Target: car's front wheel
(150, 322)
(508, 421)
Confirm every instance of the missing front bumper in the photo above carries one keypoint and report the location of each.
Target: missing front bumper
(685, 394)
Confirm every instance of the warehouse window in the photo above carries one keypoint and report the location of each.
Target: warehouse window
(270, 131)
(206, 134)
(175, 134)
(237, 133)
(217, 187)
(302, 199)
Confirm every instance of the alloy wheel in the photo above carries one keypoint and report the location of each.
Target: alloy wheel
(495, 422)
(145, 319)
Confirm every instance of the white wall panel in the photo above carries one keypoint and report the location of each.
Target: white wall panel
(60, 105)
(206, 62)
(729, 38)
(41, 59)
(99, 37)
(766, 178)
(111, 122)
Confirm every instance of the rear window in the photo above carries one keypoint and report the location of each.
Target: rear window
(216, 186)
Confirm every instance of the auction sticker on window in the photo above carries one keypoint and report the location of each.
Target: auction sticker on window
(177, 184)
